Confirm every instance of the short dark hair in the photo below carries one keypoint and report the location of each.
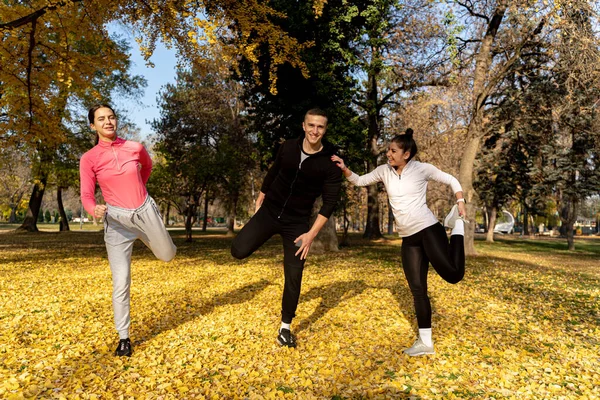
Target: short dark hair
(316, 111)
(406, 143)
(92, 111)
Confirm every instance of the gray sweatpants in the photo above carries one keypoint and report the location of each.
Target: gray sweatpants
(121, 228)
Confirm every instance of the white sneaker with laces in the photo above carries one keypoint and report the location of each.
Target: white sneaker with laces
(452, 217)
(419, 349)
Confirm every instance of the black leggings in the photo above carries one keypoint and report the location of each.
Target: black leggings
(261, 227)
(418, 250)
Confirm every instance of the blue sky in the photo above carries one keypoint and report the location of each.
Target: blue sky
(163, 72)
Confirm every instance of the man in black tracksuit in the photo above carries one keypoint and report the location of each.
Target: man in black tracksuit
(302, 171)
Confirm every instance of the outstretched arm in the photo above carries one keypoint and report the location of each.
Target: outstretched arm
(363, 180)
(340, 163)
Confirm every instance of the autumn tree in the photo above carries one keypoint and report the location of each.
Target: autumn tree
(15, 179)
(511, 158)
(185, 137)
(399, 48)
(202, 138)
(277, 110)
(53, 59)
(574, 158)
(497, 34)
(52, 53)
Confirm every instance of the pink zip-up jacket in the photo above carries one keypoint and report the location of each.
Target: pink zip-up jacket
(121, 168)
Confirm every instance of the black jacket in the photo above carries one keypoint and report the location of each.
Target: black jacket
(292, 190)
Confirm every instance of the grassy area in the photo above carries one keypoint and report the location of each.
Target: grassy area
(43, 227)
(523, 324)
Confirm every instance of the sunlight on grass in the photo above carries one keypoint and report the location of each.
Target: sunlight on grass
(523, 324)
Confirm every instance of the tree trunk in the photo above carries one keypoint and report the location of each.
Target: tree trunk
(525, 221)
(390, 219)
(326, 239)
(466, 181)
(191, 210)
(345, 240)
(372, 230)
(64, 222)
(568, 216)
(35, 203)
(532, 221)
(205, 222)
(13, 214)
(232, 214)
(166, 215)
(483, 61)
(492, 212)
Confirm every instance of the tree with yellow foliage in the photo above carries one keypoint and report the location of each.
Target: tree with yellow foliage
(52, 61)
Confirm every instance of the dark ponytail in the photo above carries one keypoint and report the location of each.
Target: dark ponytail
(406, 143)
(92, 114)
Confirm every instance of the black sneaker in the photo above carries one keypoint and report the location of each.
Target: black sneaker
(286, 338)
(124, 348)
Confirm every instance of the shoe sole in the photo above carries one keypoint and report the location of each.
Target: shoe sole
(285, 345)
(421, 353)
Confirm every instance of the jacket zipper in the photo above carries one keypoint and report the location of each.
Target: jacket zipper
(291, 189)
(116, 157)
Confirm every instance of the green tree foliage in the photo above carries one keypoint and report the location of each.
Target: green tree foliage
(399, 49)
(202, 142)
(574, 161)
(278, 114)
(364, 55)
(543, 124)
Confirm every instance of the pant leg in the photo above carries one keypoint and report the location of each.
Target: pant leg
(416, 265)
(293, 268)
(119, 245)
(261, 227)
(153, 232)
(448, 259)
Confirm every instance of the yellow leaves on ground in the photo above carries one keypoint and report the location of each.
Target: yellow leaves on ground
(522, 325)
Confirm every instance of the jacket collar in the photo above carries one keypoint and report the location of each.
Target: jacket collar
(328, 148)
(407, 167)
(104, 144)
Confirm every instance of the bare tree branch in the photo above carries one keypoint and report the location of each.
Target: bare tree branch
(30, 18)
(471, 9)
(467, 41)
(509, 63)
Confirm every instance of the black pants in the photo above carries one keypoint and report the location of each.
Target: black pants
(448, 260)
(261, 227)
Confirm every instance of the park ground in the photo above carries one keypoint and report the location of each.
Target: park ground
(523, 324)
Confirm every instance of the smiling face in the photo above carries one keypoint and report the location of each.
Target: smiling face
(105, 124)
(314, 129)
(397, 157)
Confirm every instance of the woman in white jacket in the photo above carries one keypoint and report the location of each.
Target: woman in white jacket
(424, 239)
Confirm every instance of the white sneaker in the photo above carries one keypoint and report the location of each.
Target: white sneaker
(419, 349)
(452, 217)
